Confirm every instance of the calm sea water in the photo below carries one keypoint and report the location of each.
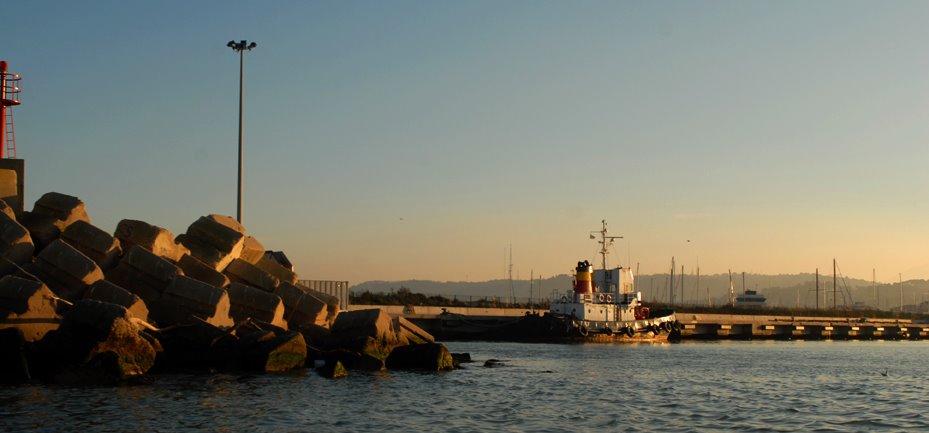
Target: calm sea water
(716, 386)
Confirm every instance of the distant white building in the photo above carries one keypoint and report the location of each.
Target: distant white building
(750, 298)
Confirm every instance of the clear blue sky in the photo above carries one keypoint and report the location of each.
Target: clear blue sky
(398, 139)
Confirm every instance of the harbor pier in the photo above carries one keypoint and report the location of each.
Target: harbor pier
(464, 323)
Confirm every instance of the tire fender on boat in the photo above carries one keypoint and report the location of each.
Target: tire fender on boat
(656, 329)
(601, 297)
(667, 326)
(609, 298)
(564, 299)
(629, 331)
(608, 331)
(582, 330)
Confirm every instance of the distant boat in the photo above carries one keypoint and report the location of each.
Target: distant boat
(750, 298)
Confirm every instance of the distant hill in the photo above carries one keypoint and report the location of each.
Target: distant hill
(781, 290)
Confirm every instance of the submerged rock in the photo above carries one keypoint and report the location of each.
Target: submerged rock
(428, 356)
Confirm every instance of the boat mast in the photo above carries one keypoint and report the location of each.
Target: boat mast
(604, 251)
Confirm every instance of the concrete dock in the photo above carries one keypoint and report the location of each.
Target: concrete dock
(694, 326)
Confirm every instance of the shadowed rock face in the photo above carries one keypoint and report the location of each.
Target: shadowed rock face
(249, 302)
(98, 341)
(94, 243)
(65, 270)
(15, 243)
(51, 215)
(153, 238)
(105, 291)
(29, 306)
(187, 300)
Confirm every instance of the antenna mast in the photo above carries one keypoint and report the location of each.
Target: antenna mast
(605, 242)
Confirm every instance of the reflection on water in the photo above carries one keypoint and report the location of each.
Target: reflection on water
(707, 386)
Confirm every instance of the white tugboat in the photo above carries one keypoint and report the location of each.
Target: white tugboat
(604, 304)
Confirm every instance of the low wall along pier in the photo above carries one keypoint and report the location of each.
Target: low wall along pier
(693, 326)
(727, 326)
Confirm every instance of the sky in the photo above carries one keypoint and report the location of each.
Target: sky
(425, 140)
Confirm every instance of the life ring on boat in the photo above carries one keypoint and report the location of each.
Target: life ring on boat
(609, 298)
(582, 330)
(600, 297)
(629, 331)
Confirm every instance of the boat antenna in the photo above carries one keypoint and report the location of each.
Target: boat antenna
(605, 242)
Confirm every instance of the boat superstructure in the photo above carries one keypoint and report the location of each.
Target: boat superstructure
(606, 302)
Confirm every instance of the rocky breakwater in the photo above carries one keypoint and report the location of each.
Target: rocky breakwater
(81, 305)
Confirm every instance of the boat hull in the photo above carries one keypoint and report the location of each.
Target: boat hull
(547, 328)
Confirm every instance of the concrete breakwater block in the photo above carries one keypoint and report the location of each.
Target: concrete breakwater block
(196, 269)
(216, 240)
(51, 215)
(246, 273)
(105, 291)
(374, 323)
(98, 343)
(151, 237)
(94, 243)
(15, 243)
(301, 307)
(187, 300)
(269, 348)
(249, 302)
(252, 250)
(279, 272)
(29, 306)
(144, 273)
(409, 333)
(65, 270)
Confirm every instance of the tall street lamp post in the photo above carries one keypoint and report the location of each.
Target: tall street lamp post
(240, 47)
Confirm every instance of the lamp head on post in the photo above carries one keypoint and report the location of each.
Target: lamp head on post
(241, 46)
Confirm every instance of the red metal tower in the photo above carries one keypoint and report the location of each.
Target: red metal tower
(9, 96)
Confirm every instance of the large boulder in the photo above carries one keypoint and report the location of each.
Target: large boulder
(65, 270)
(98, 342)
(216, 240)
(29, 306)
(105, 291)
(94, 243)
(302, 307)
(153, 238)
(427, 356)
(246, 273)
(16, 246)
(144, 273)
(249, 302)
(187, 300)
(196, 269)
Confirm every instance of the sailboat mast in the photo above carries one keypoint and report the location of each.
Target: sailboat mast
(817, 288)
(834, 298)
